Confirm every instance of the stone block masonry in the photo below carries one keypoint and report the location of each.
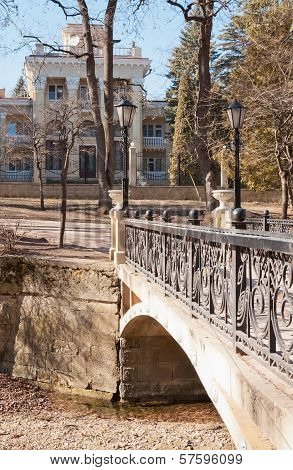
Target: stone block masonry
(59, 322)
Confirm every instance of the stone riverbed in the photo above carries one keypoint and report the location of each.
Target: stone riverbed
(33, 418)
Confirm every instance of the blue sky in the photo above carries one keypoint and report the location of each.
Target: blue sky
(157, 33)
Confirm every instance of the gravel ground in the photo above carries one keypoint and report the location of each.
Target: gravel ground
(32, 418)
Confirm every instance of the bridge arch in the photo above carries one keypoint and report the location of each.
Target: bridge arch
(153, 364)
(205, 362)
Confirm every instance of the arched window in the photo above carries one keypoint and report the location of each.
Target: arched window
(88, 129)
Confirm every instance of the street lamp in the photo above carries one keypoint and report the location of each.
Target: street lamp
(126, 112)
(236, 114)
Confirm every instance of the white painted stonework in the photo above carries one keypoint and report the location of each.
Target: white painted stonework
(256, 407)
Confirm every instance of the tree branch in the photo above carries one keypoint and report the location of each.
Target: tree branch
(58, 48)
(66, 10)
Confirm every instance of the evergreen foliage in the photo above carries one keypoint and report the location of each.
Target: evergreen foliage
(181, 98)
(184, 168)
(20, 90)
(256, 67)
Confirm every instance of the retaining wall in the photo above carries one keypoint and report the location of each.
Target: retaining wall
(59, 321)
(138, 193)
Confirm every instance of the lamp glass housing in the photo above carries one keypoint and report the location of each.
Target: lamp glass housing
(236, 114)
(126, 112)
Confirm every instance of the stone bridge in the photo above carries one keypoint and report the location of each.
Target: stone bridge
(188, 313)
(208, 313)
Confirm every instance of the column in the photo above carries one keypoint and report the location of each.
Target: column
(101, 97)
(136, 131)
(72, 84)
(39, 99)
(3, 132)
(132, 165)
(119, 253)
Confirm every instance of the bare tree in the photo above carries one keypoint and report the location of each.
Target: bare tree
(104, 199)
(30, 145)
(104, 130)
(108, 89)
(202, 12)
(7, 9)
(65, 122)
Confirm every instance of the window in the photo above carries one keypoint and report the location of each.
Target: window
(56, 92)
(84, 96)
(88, 129)
(53, 157)
(158, 130)
(148, 130)
(152, 130)
(151, 166)
(87, 161)
(158, 164)
(118, 157)
(11, 129)
(17, 164)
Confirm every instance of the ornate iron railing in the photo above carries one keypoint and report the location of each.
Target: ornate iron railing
(268, 224)
(239, 282)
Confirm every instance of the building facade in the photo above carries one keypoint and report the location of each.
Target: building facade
(16, 158)
(53, 76)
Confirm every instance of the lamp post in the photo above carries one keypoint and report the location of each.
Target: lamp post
(236, 114)
(126, 111)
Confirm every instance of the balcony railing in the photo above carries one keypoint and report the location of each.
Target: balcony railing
(22, 175)
(118, 51)
(240, 282)
(18, 140)
(154, 142)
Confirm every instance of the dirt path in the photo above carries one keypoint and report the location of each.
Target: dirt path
(32, 418)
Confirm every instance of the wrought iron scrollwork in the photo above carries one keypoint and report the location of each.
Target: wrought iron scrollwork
(244, 290)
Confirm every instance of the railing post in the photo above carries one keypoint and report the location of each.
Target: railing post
(113, 234)
(149, 215)
(119, 253)
(240, 304)
(271, 333)
(266, 216)
(235, 290)
(193, 217)
(166, 217)
(210, 274)
(132, 165)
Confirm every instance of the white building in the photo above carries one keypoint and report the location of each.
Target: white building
(51, 76)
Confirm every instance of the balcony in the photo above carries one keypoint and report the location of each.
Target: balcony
(154, 142)
(19, 140)
(22, 175)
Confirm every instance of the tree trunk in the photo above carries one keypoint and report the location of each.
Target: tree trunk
(202, 113)
(104, 198)
(63, 210)
(285, 193)
(290, 190)
(63, 214)
(284, 174)
(42, 197)
(108, 90)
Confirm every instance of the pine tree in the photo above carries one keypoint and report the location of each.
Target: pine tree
(181, 99)
(20, 90)
(183, 60)
(184, 165)
(263, 81)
